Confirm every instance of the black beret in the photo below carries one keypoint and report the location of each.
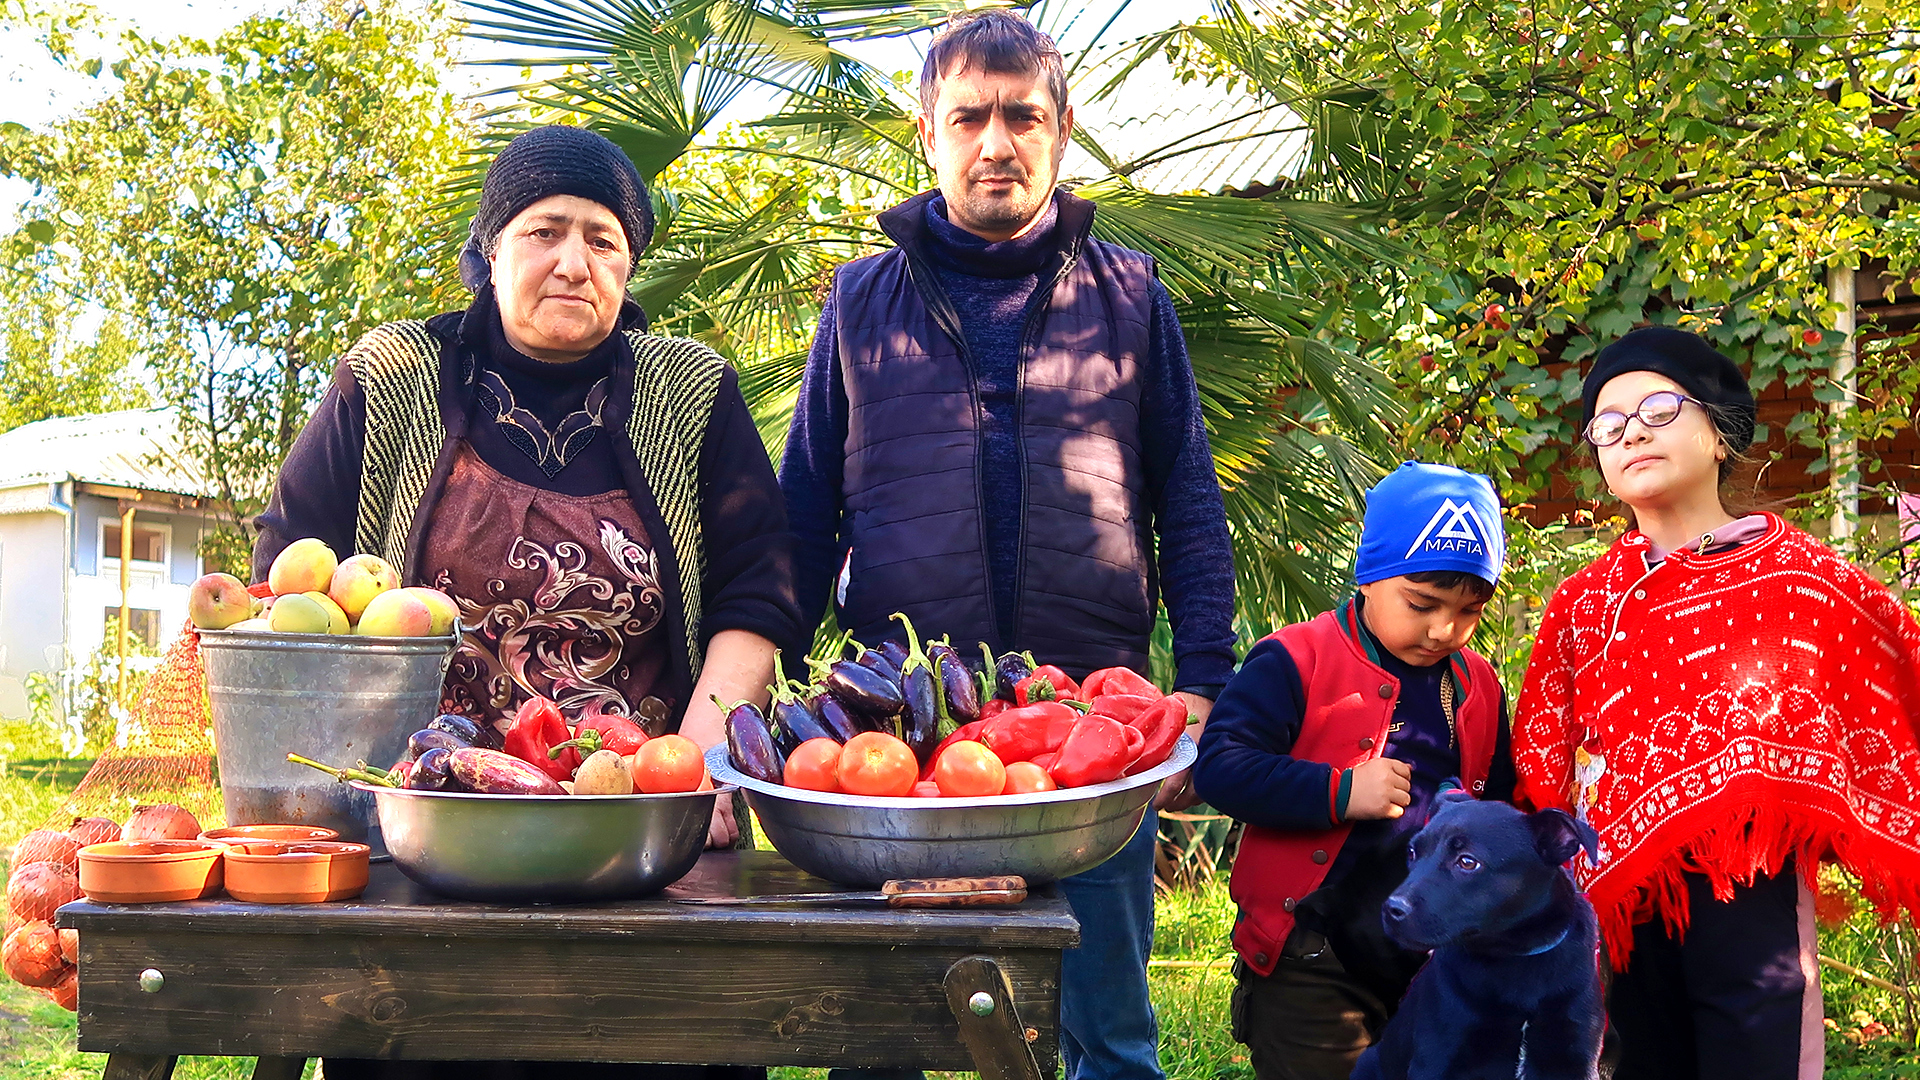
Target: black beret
(1700, 369)
(556, 160)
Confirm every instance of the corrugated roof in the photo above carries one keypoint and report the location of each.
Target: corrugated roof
(1192, 137)
(137, 448)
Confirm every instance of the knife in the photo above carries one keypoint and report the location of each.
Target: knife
(900, 893)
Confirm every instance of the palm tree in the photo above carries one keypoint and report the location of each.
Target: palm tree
(754, 222)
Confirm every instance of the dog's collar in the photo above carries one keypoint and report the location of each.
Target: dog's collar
(1551, 945)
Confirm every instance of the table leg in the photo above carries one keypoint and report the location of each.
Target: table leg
(279, 1068)
(982, 1001)
(138, 1067)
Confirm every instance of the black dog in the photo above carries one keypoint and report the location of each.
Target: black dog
(1513, 988)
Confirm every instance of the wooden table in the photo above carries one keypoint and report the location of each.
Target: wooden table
(404, 973)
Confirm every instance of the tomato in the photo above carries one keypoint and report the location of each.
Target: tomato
(1026, 778)
(969, 770)
(925, 789)
(814, 765)
(668, 763)
(876, 763)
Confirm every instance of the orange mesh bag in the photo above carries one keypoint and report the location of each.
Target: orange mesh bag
(164, 755)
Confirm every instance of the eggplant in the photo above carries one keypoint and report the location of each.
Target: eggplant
(750, 744)
(789, 718)
(894, 653)
(432, 738)
(1008, 670)
(432, 771)
(465, 728)
(834, 716)
(875, 660)
(919, 723)
(959, 698)
(491, 772)
(983, 678)
(867, 694)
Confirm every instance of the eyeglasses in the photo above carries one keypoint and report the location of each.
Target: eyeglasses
(1658, 409)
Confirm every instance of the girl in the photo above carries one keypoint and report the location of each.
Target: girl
(1727, 702)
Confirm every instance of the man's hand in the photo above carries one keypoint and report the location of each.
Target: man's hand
(722, 831)
(1176, 791)
(1382, 788)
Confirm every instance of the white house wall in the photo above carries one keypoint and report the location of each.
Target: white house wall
(32, 583)
(96, 581)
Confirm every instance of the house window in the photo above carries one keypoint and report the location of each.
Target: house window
(143, 624)
(149, 542)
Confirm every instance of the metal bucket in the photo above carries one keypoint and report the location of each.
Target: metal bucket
(337, 699)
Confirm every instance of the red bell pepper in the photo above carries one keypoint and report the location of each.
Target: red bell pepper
(598, 731)
(1123, 707)
(1136, 742)
(1094, 753)
(1047, 683)
(1162, 726)
(962, 733)
(1118, 680)
(1020, 734)
(1045, 761)
(538, 728)
(994, 707)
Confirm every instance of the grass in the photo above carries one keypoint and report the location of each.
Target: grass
(1192, 927)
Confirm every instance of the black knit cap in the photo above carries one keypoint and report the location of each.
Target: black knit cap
(556, 160)
(1700, 369)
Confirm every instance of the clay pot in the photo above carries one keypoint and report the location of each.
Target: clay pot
(150, 871)
(296, 872)
(246, 834)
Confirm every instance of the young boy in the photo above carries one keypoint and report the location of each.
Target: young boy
(1330, 743)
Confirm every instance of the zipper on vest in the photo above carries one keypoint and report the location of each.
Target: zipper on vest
(940, 307)
(1037, 309)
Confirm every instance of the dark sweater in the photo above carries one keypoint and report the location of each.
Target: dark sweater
(747, 546)
(1245, 770)
(993, 285)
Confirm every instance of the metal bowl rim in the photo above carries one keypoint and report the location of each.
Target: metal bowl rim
(375, 789)
(250, 637)
(722, 770)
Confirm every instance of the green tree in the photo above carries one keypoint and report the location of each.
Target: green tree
(50, 371)
(252, 204)
(1567, 171)
(753, 224)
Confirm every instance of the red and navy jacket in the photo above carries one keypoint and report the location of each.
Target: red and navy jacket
(1312, 701)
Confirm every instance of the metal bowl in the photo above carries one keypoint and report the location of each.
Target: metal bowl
(543, 848)
(863, 840)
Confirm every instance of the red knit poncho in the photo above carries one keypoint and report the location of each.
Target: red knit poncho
(1723, 712)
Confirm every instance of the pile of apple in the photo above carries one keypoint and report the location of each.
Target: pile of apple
(316, 593)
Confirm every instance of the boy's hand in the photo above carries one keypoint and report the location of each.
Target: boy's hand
(1381, 788)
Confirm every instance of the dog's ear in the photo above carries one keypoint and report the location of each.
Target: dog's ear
(1558, 836)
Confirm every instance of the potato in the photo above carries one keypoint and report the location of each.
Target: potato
(602, 774)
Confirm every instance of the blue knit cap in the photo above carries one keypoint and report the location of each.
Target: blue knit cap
(1424, 517)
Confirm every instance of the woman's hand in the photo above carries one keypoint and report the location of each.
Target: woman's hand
(739, 666)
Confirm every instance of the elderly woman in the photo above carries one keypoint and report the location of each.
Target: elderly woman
(596, 499)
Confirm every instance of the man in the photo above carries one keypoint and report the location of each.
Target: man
(998, 433)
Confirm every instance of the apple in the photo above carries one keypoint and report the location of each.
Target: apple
(337, 621)
(358, 579)
(298, 613)
(306, 565)
(255, 623)
(398, 613)
(445, 611)
(217, 601)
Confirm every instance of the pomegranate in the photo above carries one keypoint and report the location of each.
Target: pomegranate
(31, 955)
(37, 889)
(94, 830)
(66, 992)
(164, 821)
(45, 845)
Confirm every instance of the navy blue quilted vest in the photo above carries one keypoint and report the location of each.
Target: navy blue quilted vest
(913, 522)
